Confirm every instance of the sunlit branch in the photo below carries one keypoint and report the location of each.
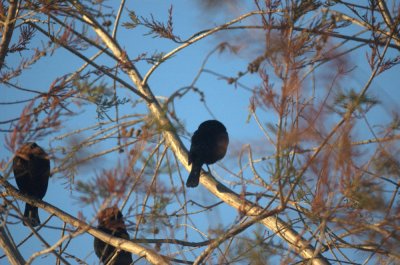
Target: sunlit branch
(365, 25)
(387, 17)
(196, 38)
(123, 244)
(35, 232)
(117, 19)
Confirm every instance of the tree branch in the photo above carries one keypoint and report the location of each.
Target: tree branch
(300, 245)
(12, 253)
(365, 25)
(149, 254)
(386, 14)
(8, 30)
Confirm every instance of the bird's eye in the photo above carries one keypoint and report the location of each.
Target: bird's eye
(33, 145)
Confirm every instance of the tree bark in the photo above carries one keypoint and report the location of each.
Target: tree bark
(12, 253)
(8, 30)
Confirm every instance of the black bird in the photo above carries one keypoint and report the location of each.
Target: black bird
(111, 222)
(209, 144)
(31, 166)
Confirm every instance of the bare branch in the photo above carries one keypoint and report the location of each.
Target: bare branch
(13, 255)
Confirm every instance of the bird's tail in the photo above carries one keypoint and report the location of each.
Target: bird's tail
(194, 176)
(31, 215)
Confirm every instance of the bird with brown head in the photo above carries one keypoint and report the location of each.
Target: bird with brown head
(111, 222)
(31, 166)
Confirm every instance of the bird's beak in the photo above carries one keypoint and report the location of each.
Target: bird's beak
(47, 157)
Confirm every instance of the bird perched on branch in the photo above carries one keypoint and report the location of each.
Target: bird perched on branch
(31, 166)
(209, 144)
(111, 222)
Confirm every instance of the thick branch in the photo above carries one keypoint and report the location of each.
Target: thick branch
(8, 30)
(9, 249)
(150, 255)
(385, 14)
